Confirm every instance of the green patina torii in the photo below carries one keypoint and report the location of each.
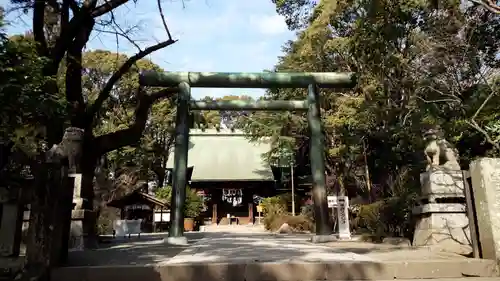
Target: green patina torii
(184, 81)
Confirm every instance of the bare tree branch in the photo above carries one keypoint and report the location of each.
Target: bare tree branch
(73, 5)
(104, 94)
(107, 7)
(74, 91)
(70, 30)
(472, 122)
(437, 101)
(124, 33)
(68, 34)
(38, 24)
(133, 133)
(163, 19)
(476, 126)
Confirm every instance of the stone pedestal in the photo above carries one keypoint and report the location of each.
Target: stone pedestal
(443, 225)
(441, 216)
(439, 184)
(78, 235)
(77, 191)
(485, 175)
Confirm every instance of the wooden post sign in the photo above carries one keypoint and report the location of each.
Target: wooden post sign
(342, 205)
(259, 210)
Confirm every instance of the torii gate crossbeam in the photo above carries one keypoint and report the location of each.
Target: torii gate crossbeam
(310, 80)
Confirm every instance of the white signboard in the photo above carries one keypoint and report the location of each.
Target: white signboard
(162, 217)
(127, 227)
(332, 201)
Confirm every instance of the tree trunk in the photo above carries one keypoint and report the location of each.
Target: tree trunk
(160, 172)
(51, 204)
(161, 179)
(5, 151)
(88, 194)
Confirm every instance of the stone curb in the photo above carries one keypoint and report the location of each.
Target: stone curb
(282, 271)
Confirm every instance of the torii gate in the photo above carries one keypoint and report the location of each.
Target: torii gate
(310, 80)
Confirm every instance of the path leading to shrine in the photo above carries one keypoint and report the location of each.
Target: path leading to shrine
(248, 253)
(225, 247)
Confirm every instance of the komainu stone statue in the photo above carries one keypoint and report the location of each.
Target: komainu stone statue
(439, 152)
(440, 216)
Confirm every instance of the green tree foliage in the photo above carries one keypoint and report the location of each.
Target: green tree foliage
(150, 153)
(22, 103)
(120, 170)
(24, 108)
(419, 65)
(214, 119)
(194, 203)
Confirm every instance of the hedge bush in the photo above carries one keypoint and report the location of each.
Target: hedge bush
(297, 223)
(275, 215)
(273, 209)
(390, 217)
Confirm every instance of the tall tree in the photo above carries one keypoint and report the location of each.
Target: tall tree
(419, 65)
(61, 30)
(150, 153)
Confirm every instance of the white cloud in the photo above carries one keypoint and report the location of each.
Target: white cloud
(269, 24)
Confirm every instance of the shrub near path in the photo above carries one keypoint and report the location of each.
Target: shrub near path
(276, 214)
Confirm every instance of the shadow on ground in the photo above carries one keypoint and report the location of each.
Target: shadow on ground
(220, 256)
(250, 257)
(144, 250)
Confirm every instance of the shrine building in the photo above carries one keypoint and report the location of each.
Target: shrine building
(229, 172)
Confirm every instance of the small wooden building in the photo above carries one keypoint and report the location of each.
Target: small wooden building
(138, 204)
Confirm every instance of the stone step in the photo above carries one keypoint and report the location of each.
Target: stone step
(455, 279)
(284, 271)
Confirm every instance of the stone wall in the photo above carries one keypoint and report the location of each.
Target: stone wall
(485, 175)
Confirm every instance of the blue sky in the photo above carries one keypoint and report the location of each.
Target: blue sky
(214, 35)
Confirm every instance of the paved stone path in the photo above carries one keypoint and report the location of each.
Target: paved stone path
(261, 247)
(244, 244)
(248, 253)
(248, 229)
(250, 243)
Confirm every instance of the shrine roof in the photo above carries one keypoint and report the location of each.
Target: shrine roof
(137, 197)
(225, 155)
